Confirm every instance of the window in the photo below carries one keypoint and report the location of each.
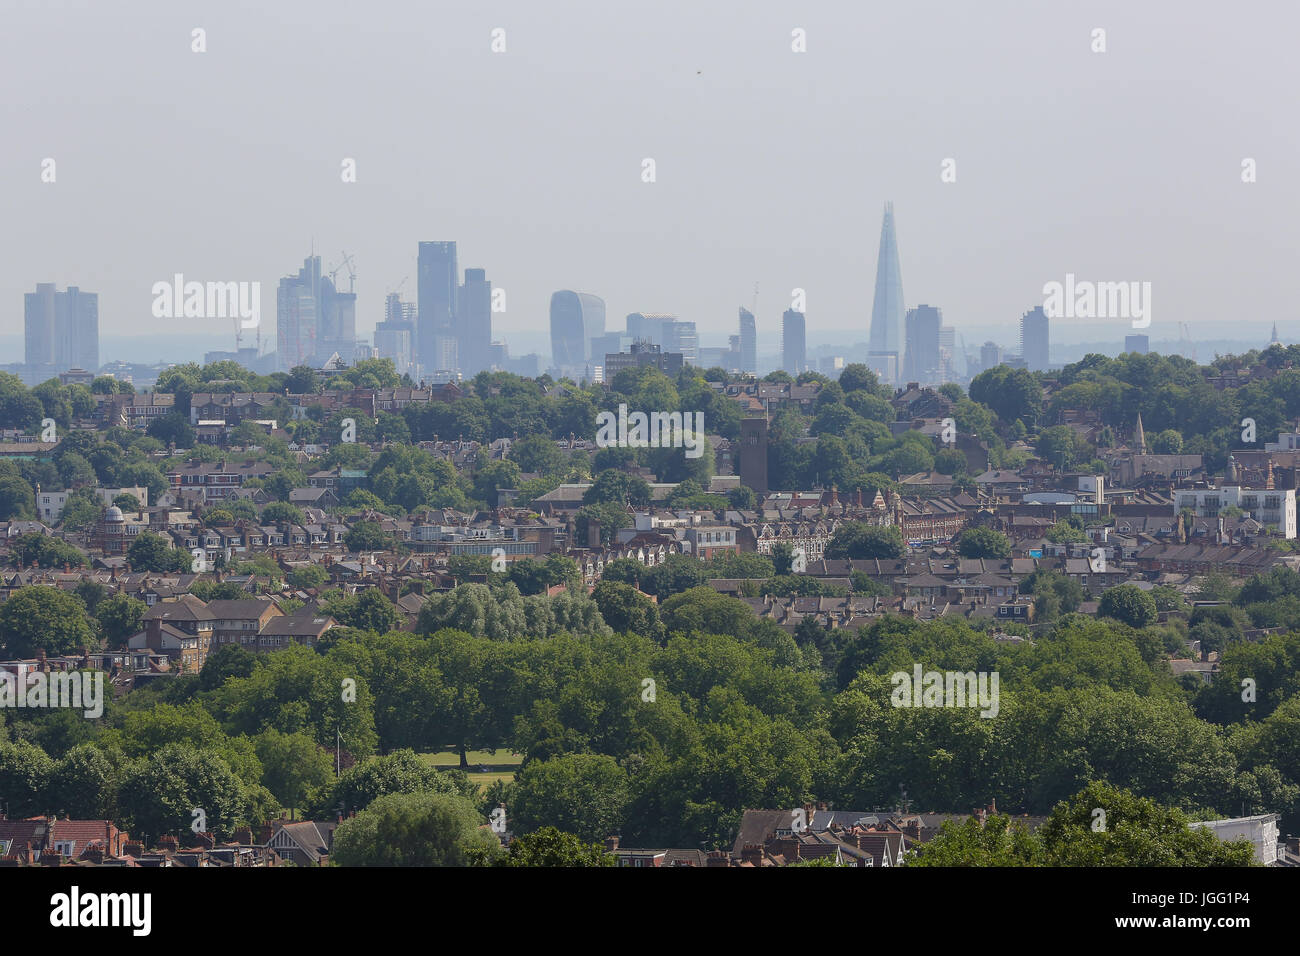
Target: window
(64, 847)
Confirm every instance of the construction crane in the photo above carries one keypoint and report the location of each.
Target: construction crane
(352, 274)
(1185, 345)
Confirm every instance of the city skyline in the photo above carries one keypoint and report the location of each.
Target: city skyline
(539, 217)
(448, 331)
(312, 310)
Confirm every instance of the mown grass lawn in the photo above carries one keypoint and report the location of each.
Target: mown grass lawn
(484, 768)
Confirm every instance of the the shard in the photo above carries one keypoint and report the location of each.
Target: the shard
(884, 346)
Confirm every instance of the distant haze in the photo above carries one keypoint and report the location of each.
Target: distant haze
(771, 166)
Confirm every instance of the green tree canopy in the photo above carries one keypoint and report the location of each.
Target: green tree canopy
(1128, 603)
(415, 829)
(42, 617)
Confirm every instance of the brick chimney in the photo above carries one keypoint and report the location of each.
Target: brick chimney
(133, 848)
(787, 847)
(611, 844)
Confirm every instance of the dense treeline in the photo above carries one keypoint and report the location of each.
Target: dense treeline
(669, 725)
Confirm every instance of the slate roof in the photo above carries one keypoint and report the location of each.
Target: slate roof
(185, 608)
(304, 623)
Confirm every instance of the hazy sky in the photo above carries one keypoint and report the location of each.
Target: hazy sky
(772, 166)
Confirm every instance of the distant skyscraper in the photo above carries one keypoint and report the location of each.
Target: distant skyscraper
(313, 320)
(576, 319)
(1034, 338)
(921, 361)
(660, 328)
(39, 309)
(884, 345)
(990, 355)
(338, 327)
(1140, 344)
(748, 342)
(593, 324)
(794, 342)
(474, 322)
(681, 337)
(952, 354)
(82, 322)
(395, 336)
(735, 356)
(646, 326)
(668, 332)
(298, 316)
(61, 329)
(437, 287)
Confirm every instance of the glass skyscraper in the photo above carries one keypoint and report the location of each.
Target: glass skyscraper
(576, 319)
(922, 362)
(884, 346)
(474, 322)
(61, 330)
(298, 316)
(794, 343)
(1034, 339)
(438, 283)
(748, 341)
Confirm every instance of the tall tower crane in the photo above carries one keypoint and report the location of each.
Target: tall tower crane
(352, 273)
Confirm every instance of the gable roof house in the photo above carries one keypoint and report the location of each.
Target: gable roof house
(306, 843)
